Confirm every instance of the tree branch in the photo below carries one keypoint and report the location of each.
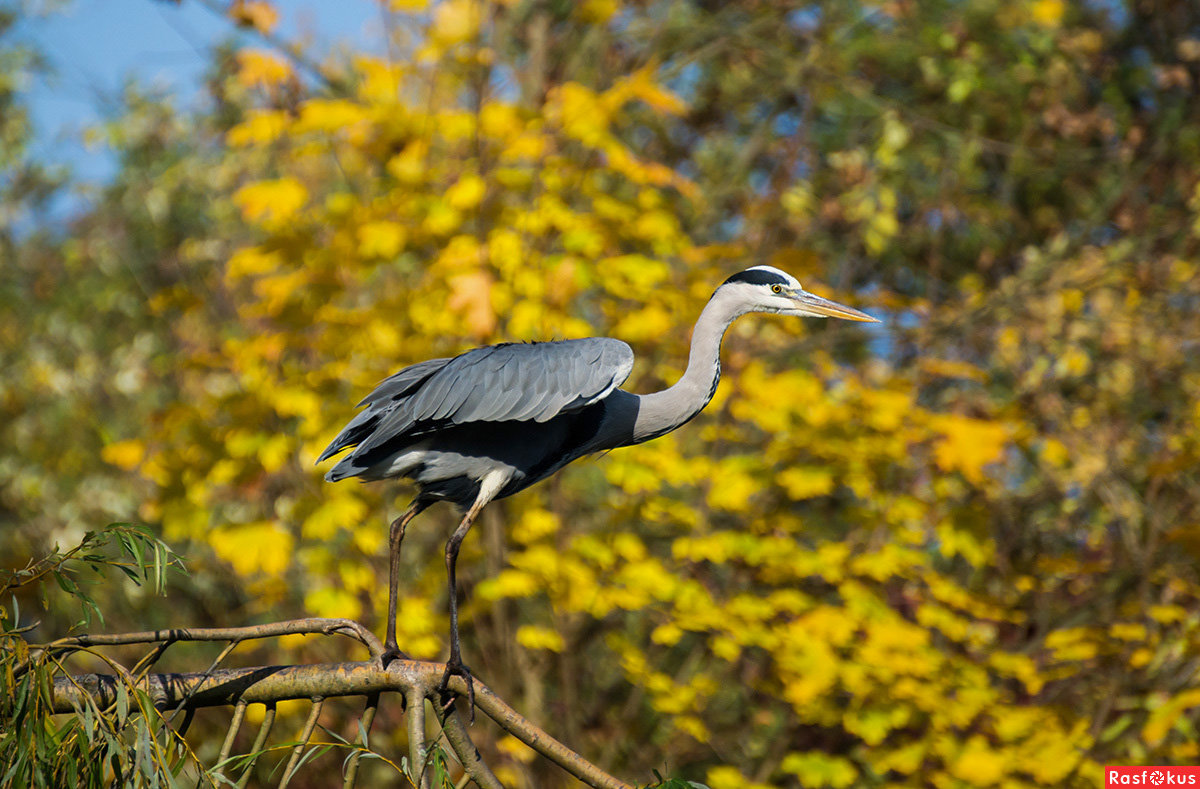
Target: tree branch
(416, 680)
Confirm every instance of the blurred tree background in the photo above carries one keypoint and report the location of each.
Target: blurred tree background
(957, 550)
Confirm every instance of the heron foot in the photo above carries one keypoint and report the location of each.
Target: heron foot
(391, 652)
(456, 668)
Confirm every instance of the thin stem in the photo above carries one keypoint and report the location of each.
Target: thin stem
(305, 736)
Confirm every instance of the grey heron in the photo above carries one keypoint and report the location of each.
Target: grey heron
(493, 421)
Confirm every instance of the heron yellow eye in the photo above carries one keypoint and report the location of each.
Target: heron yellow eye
(777, 289)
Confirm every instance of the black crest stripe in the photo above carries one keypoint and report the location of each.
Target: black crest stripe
(757, 276)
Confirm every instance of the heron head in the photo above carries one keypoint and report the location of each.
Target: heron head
(767, 289)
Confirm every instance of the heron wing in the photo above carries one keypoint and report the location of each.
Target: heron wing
(383, 399)
(529, 382)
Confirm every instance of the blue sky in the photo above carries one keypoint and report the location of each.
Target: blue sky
(95, 46)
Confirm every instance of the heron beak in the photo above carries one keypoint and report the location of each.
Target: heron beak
(831, 309)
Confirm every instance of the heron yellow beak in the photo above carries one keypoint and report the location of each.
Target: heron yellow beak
(831, 309)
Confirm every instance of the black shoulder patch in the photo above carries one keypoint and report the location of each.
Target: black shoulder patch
(757, 276)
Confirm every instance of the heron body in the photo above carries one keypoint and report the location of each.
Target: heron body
(493, 421)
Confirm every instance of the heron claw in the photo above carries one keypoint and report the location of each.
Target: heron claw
(391, 652)
(457, 669)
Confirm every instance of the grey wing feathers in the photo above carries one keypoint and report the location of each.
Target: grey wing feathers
(383, 398)
(400, 383)
(536, 381)
(528, 382)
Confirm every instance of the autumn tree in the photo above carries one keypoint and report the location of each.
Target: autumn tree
(957, 551)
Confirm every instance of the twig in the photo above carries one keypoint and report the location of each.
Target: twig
(239, 712)
(311, 626)
(267, 684)
(417, 750)
(260, 741)
(309, 726)
(461, 744)
(368, 718)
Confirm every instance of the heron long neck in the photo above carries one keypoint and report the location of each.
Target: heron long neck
(662, 412)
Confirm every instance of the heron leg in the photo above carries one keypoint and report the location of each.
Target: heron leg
(391, 650)
(454, 666)
(490, 484)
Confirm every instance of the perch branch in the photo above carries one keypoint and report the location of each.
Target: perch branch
(311, 626)
(269, 684)
(461, 744)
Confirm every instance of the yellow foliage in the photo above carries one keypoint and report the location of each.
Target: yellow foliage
(732, 487)
(328, 116)
(819, 769)
(515, 749)
(967, 445)
(470, 295)
(1161, 720)
(335, 514)
(251, 548)
(730, 778)
(456, 21)
(466, 193)
(533, 637)
(271, 202)
(536, 524)
(259, 128)
(126, 455)
(250, 261)
(381, 239)
(646, 324)
(332, 603)
(1047, 13)
(261, 68)
(257, 14)
(979, 765)
(806, 482)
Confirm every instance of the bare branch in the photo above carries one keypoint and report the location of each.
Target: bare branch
(270, 684)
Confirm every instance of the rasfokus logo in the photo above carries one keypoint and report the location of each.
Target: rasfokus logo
(1151, 776)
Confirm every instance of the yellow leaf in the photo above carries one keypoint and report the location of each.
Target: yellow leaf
(648, 323)
(693, 727)
(271, 201)
(536, 524)
(968, 445)
(508, 584)
(260, 127)
(407, 5)
(254, 13)
(732, 488)
(408, 166)
(332, 603)
(335, 514)
(126, 455)
(805, 482)
(329, 115)
(725, 777)
(1163, 719)
(382, 240)
(456, 21)
(532, 637)
(1047, 13)
(516, 749)
(251, 261)
(667, 634)
(978, 764)
(471, 294)
(260, 68)
(947, 368)
(261, 547)
(466, 193)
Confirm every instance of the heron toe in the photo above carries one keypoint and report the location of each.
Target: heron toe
(448, 696)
